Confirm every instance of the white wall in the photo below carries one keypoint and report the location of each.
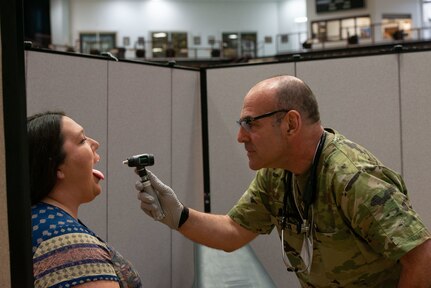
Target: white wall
(210, 18)
(287, 13)
(59, 14)
(137, 18)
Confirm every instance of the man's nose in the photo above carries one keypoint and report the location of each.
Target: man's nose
(242, 135)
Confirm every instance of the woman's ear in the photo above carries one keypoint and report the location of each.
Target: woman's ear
(60, 174)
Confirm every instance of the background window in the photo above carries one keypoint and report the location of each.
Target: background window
(347, 28)
(363, 27)
(319, 31)
(169, 44)
(333, 30)
(396, 26)
(341, 28)
(239, 44)
(97, 42)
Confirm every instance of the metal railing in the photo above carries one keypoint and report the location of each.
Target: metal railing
(301, 41)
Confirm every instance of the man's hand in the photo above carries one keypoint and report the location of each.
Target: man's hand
(176, 213)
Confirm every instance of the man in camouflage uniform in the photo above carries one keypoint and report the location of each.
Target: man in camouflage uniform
(359, 230)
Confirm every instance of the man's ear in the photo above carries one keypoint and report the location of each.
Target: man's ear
(293, 122)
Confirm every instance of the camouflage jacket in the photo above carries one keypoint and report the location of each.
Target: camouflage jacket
(363, 220)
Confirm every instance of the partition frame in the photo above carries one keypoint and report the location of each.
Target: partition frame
(15, 135)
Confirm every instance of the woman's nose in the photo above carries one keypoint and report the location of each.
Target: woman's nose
(94, 144)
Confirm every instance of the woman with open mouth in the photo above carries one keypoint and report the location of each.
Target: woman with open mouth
(66, 253)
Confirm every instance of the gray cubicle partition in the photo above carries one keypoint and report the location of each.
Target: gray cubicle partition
(416, 126)
(153, 110)
(229, 171)
(187, 164)
(360, 97)
(79, 87)
(130, 108)
(139, 122)
(381, 102)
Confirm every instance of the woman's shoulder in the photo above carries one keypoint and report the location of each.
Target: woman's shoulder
(46, 217)
(52, 222)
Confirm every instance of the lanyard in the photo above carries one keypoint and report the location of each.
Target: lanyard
(309, 194)
(302, 225)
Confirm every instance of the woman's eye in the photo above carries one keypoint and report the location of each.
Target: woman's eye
(83, 140)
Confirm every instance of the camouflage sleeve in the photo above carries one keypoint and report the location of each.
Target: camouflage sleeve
(377, 206)
(250, 211)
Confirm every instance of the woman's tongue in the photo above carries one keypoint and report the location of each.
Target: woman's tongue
(98, 174)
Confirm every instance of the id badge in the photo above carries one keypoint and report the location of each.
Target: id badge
(307, 251)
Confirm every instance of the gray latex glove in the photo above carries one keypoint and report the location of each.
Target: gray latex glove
(175, 212)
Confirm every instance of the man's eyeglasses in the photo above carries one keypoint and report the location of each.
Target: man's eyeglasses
(247, 122)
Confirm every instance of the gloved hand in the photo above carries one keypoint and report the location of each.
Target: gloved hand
(175, 212)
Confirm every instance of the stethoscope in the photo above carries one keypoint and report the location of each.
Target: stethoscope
(305, 226)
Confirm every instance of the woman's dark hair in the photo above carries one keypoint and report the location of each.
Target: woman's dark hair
(45, 144)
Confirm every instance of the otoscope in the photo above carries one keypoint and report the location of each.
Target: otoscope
(140, 162)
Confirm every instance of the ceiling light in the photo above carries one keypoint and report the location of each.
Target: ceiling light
(301, 19)
(159, 35)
